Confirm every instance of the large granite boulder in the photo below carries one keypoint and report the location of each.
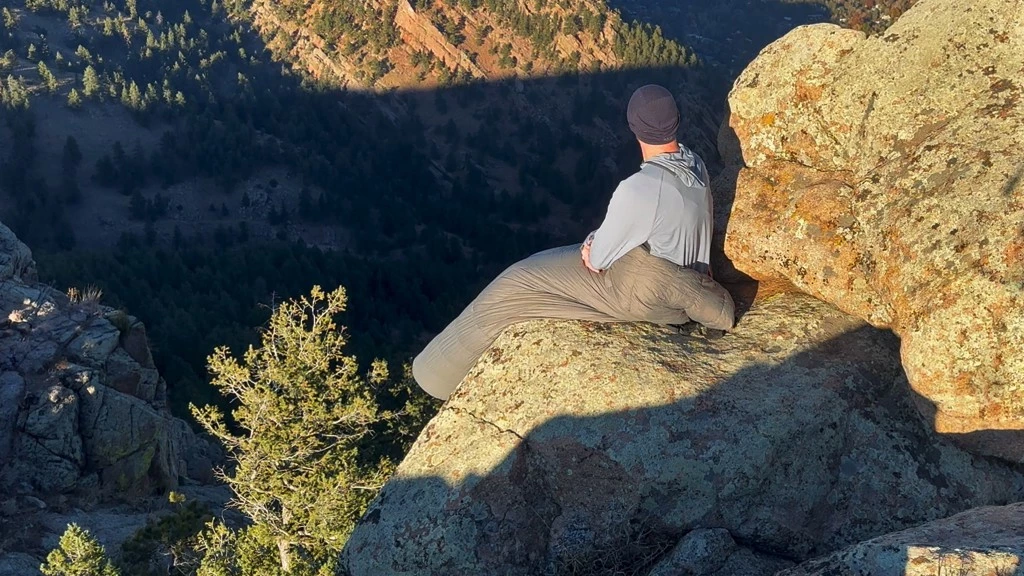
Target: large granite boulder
(986, 541)
(82, 409)
(577, 444)
(884, 175)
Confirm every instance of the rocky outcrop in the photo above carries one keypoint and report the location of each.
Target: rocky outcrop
(15, 258)
(307, 47)
(82, 408)
(981, 542)
(420, 33)
(575, 444)
(884, 175)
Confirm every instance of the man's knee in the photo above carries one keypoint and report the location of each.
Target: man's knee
(429, 379)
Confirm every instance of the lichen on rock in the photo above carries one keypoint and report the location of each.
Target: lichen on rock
(573, 442)
(884, 175)
(987, 540)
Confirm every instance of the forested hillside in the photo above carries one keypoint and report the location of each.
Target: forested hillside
(395, 43)
(158, 151)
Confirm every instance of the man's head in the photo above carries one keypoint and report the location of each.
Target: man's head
(653, 116)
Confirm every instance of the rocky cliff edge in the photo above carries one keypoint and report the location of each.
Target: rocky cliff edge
(82, 407)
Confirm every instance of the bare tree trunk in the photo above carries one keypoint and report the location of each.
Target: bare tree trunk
(284, 545)
(284, 550)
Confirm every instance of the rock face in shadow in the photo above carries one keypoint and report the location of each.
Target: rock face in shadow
(82, 408)
(884, 175)
(583, 445)
(981, 542)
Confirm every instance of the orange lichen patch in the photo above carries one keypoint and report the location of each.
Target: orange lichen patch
(803, 144)
(962, 383)
(821, 204)
(1014, 253)
(761, 194)
(808, 92)
(993, 410)
(767, 120)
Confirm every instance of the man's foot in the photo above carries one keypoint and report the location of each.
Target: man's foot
(688, 329)
(711, 333)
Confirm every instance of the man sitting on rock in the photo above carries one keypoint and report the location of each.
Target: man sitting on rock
(649, 260)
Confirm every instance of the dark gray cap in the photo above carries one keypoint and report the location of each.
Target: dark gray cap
(653, 115)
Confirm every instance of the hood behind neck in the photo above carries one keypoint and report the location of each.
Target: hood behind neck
(686, 165)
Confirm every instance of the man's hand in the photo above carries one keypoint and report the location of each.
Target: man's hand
(586, 259)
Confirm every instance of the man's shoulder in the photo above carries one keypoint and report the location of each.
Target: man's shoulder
(632, 184)
(643, 178)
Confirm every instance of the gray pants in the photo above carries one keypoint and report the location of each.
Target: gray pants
(555, 284)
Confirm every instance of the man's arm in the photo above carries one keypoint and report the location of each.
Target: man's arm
(585, 253)
(626, 225)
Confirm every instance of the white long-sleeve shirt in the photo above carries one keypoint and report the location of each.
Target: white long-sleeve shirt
(672, 212)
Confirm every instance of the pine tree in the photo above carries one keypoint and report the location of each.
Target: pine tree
(74, 99)
(90, 82)
(16, 95)
(49, 80)
(71, 157)
(79, 554)
(8, 60)
(135, 97)
(10, 19)
(303, 410)
(74, 18)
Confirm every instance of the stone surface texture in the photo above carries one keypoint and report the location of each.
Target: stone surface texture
(986, 541)
(884, 175)
(575, 444)
(713, 552)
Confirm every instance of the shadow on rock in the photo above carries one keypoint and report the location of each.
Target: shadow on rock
(590, 448)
